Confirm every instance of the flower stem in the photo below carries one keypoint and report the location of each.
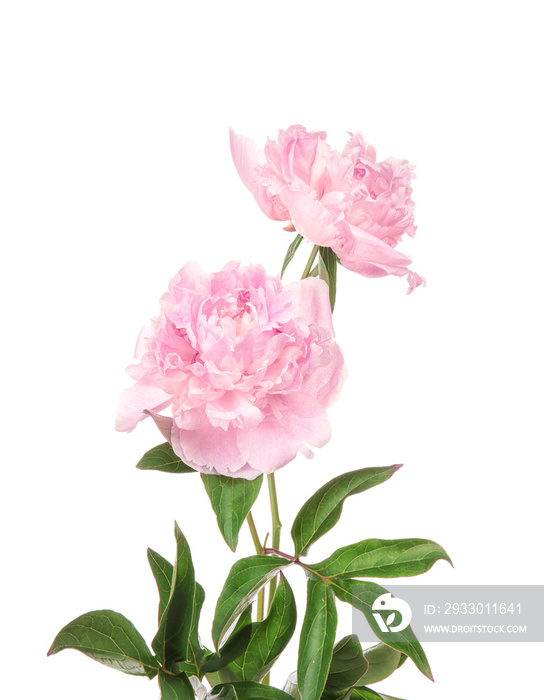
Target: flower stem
(276, 523)
(254, 535)
(260, 605)
(310, 262)
(276, 529)
(259, 549)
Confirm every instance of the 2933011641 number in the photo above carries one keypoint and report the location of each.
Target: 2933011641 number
(482, 608)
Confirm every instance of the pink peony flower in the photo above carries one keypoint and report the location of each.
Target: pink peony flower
(347, 201)
(247, 365)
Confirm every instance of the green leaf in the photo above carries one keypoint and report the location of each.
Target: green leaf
(328, 263)
(316, 639)
(231, 501)
(322, 511)
(226, 692)
(224, 675)
(291, 252)
(196, 653)
(175, 687)
(111, 639)
(382, 660)
(244, 581)
(269, 637)
(382, 559)
(163, 573)
(246, 690)
(369, 694)
(172, 641)
(364, 693)
(348, 664)
(232, 649)
(163, 459)
(361, 595)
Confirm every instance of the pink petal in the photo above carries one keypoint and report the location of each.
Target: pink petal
(136, 403)
(163, 423)
(247, 155)
(273, 444)
(208, 449)
(325, 382)
(312, 301)
(372, 257)
(311, 218)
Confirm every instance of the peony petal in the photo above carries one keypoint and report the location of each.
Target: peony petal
(248, 159)
(247, 155)
(274, 443)
(163, 423)
(326, 381)
(136, 403)
(372, 257)
(208, 448)
(311, 218)
(312, 301)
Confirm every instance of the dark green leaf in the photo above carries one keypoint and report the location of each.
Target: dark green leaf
(224, 675)
(316, 639)
(291, 252)
(231, 501)
(328, 262)
(225, 692)
(365, 694)
(196, 652)
(269, 637)
(246, 690)
(172, 641)
(163, 573)
(175, 687)
(111, 639)
(347, 666)
(232, 649)
(382, 662)
(369, 694)
(163, 458)
(382, 558)
(244, 581)
(322, 511)
(362, 594)
(244, 619)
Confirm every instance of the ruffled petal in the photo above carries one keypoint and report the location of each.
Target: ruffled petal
(312, 301)
(136, 403)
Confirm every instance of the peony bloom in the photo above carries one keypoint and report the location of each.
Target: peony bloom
(248, 367)
(347, 201)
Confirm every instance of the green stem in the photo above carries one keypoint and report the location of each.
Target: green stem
(276, 523)
(260, 605)
(254, 535)
(310, 262)
(259, 549)
(276, 529)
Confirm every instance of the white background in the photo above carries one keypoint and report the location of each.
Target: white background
(115, 171)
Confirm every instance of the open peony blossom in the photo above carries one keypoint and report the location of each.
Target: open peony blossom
(247, 365)
(347, 201)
